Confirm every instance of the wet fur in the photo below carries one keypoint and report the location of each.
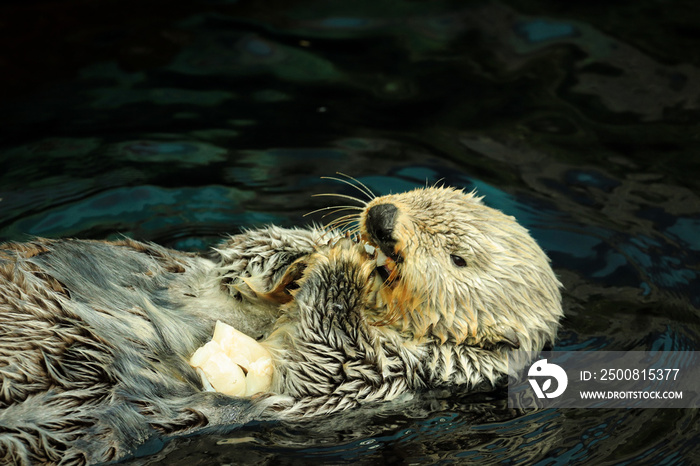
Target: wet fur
(342, 342)
(95, 339)
(95, 336)
(507, 294)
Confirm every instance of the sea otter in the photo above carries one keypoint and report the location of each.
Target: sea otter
(435, 289)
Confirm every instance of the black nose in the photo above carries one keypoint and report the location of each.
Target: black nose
(380, 225)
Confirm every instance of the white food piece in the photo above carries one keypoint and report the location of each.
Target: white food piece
(220, 371)
(205, 382)
(223, 362)
(369, 249)
(259, 376)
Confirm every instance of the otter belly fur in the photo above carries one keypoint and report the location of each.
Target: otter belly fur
(95, 337)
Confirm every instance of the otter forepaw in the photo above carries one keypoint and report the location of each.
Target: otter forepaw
(337, 274)
(255, 263)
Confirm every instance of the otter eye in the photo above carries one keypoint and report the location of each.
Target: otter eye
(458, 261)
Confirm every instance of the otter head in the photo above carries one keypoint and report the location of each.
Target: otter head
(450, 268)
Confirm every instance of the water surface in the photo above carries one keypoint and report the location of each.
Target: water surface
(181, 123)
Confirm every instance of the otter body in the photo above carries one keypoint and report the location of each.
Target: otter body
(95, 336)
(95, 339)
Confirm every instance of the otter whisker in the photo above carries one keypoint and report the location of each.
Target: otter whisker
(333, 210)
(343, 221)
(353, 233)
(328, 231)
(441, 180)
(342, 228)
(347, 183)
(367, 190)
(346, 217)
(344, 196)
(340, 224)
(362, 188)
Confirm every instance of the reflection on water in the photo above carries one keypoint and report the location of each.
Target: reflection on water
(181, 126)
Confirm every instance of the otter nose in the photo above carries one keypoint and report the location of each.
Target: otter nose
(380, 224)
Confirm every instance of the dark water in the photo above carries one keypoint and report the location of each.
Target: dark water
(177, 123)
